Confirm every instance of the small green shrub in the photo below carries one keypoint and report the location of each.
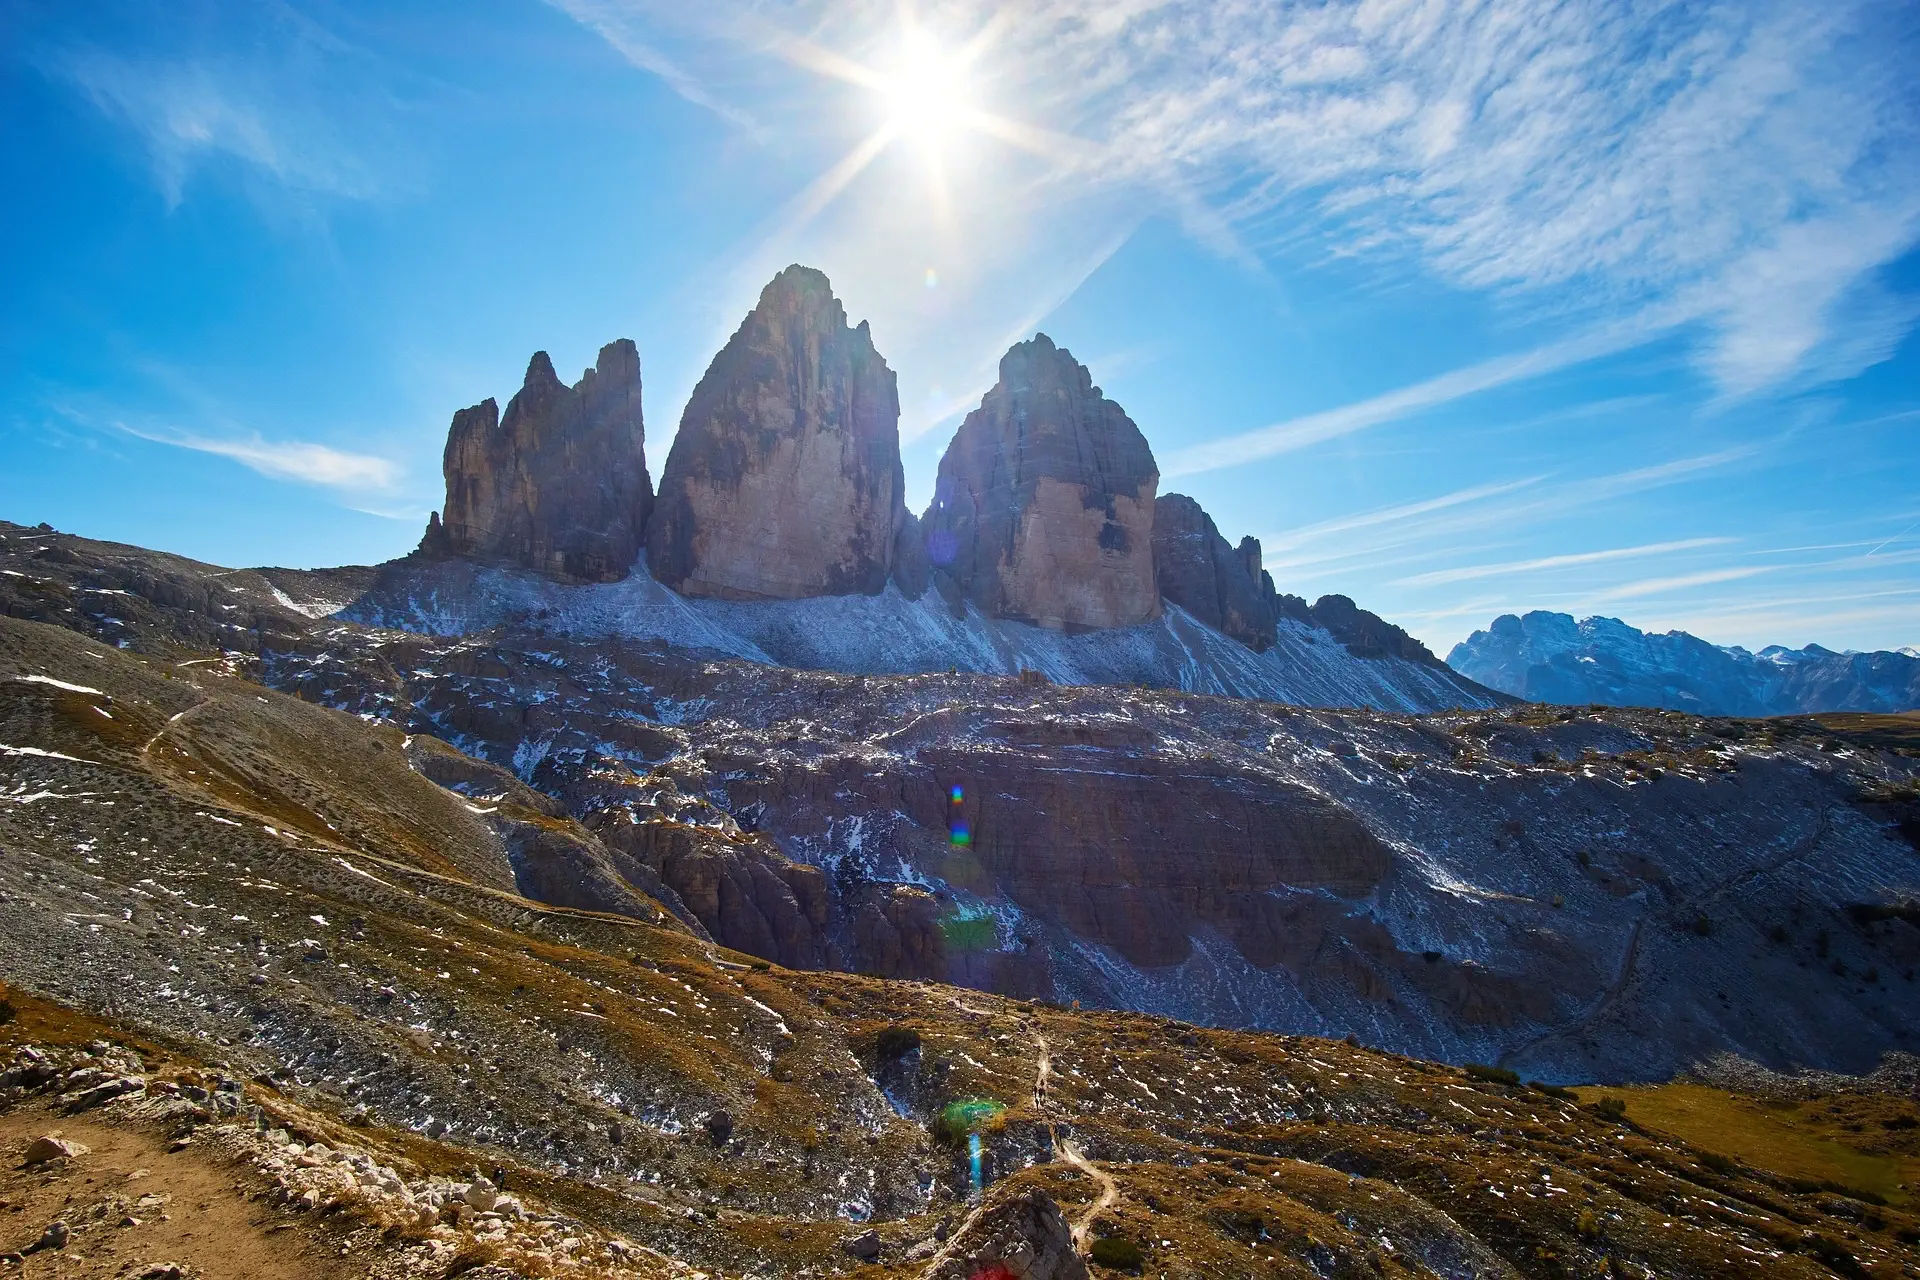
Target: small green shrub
(1553, 1091)
(1611, 1108)
(1719, 1164)
(1118, 1252)
(1492, 1075)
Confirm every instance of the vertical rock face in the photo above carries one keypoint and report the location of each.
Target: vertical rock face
(1198, 570)
(1043, 508)
(785, 479)
(560, 485)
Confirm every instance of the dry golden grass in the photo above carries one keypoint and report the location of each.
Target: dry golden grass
(1801, 1141)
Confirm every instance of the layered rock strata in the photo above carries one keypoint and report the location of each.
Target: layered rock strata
(1043, 508)
(785, 479)
(560, 484)
(1221, 585)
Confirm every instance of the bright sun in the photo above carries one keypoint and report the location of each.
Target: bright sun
(926, 96)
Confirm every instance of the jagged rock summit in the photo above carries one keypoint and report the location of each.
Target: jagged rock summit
(784, 481)
(560, 484)
(1367, 635)
(780, 523)
(1043, 507)
(1222, 585)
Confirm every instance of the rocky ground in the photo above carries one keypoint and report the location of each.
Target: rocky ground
(1576, 893)
(257, 924)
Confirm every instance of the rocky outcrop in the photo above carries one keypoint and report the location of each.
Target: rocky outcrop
(1022, 1234)
(1043, 508)
(1197, 569)
(560, 484)
(740, 889)
(785, 479)
(1367, 635)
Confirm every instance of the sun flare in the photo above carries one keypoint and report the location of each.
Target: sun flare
(926, 97)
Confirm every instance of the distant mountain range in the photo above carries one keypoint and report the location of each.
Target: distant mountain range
(1549, 657)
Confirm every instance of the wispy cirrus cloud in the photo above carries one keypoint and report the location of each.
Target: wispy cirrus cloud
(1679, 582)
(1507, 505)
(189, 112)
(1397, 513)
(1473, 573)
(620, 25)
(298, 460)
(1743, 168)
(1394, 406)
(268, 90)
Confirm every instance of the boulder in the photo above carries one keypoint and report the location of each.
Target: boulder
(1043, 506)
(1022, 1235)
(784, 481)
(1197, 569)
(560, 484)
(52, 1147)
(865, 1246)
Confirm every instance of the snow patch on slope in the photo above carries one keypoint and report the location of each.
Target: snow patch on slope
(889, 634)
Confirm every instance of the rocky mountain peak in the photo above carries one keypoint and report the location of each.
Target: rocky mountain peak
(1552, 657)
(1043, 507)
(784, 481)
(1221, 585)
(560, 484)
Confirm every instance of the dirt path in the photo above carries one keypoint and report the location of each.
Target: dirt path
(130, 1204)
(1069, 1151)
(146, 751)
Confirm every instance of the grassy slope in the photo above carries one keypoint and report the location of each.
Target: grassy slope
(1857, 1141)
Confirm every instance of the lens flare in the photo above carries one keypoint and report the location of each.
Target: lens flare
(926, 97)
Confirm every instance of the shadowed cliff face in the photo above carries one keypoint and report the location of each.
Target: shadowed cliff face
(1043, 508)
(1221, 585)
(560, 484)
(784, 481)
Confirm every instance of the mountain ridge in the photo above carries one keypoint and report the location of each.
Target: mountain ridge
(1551, 657)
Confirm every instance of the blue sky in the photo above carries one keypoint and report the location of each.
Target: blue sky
(1599, 306)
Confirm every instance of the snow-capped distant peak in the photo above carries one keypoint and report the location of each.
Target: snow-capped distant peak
(1549, 657)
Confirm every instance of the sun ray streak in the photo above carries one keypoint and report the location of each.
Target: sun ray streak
(820, 193)
(808, 56)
